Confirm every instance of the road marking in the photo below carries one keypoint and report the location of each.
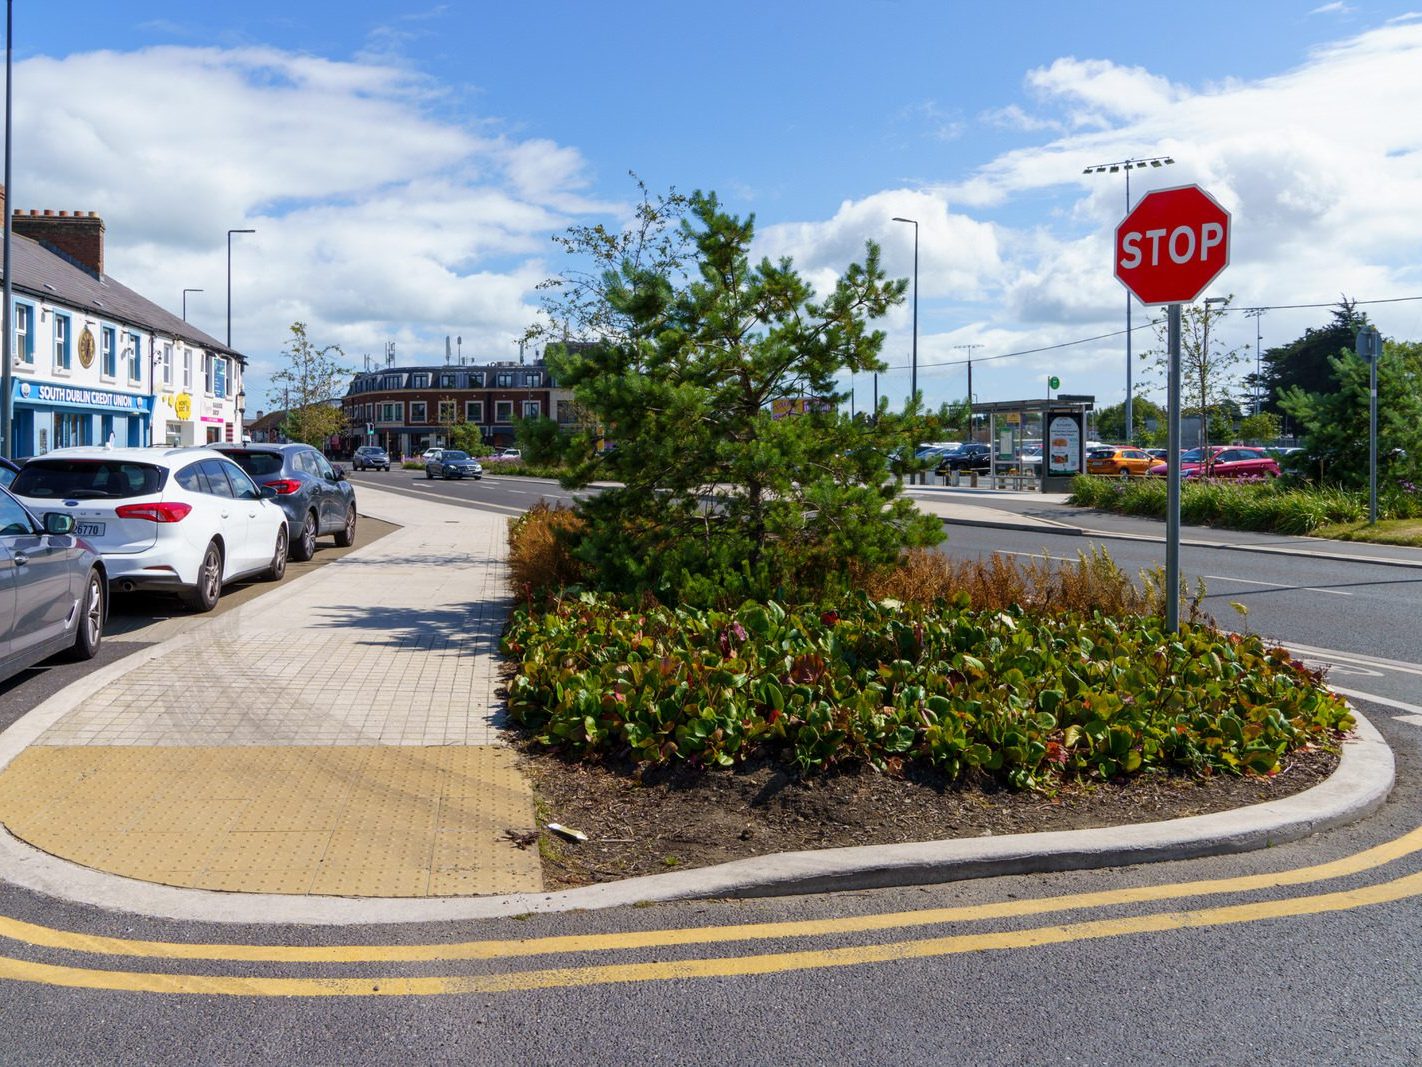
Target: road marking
(1415, 720)
(1035, 555)
(1368, 859)
(716, 967)
(1273, 585)
(1330, 655)
(1386, 702)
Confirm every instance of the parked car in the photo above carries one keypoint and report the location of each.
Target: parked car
(1119, 462)
(970, 456)
(451, 463)
(8, 470)
(509, 455)
(1224, 461)
(182, 520)
(370, 458)
(429, 454)
(315, 496)
(54, 592)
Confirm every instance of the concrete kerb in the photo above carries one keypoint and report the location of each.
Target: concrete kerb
(1358, 787)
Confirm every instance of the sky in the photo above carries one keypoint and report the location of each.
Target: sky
(407, 166)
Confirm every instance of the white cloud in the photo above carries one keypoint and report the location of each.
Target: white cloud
(375, 217)
(1335, 8)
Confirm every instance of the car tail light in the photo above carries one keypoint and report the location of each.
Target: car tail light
(170, 511)
(284, 486)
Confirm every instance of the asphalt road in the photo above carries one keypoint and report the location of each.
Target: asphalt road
(1307, 967)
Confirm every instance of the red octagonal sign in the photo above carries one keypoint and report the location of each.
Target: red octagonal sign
(1172, 245)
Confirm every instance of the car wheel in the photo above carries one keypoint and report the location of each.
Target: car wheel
(1124, 474)
(203, 596)
(345, 536)
(428, 475)
(277, 570)
(305, 546)
(91, 619)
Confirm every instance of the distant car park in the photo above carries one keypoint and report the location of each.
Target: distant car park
(1224, 461)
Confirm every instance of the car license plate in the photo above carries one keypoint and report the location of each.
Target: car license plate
(89, 529)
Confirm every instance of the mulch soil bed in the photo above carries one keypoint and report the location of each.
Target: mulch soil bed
(660, 819)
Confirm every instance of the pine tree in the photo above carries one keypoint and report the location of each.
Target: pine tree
(742, 473)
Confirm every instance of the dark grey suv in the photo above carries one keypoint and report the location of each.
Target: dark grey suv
(370, 457)
(316, 496)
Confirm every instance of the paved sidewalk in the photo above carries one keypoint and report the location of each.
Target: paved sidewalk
(335, 736)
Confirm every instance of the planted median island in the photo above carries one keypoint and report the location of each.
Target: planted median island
(752, 645)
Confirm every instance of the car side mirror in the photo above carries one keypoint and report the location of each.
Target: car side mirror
(58, 523)
(339, 473)
(266, 492)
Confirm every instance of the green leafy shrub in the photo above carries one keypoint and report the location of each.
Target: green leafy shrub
(1027, 699)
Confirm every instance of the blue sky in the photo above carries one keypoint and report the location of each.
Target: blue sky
(406, 165)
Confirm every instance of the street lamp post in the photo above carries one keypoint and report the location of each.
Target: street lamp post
(185, 305)
(913, 373)
(969, 348)
(1126, 165)
(1204, 364)
(6, 444)
(229, 282)
(1256, 314)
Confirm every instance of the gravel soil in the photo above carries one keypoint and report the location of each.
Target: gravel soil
(654, 820)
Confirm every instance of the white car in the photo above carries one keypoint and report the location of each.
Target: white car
(429, 454)
(184, 520)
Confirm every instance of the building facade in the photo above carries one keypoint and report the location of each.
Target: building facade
(92, 361)
(409, 409)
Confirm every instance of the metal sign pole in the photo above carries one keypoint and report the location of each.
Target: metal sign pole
(1172, 477)
(1373, 432)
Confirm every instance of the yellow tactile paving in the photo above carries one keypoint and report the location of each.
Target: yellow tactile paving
(349, 821)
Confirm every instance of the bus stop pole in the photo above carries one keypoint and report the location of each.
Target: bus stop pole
(1172, 477)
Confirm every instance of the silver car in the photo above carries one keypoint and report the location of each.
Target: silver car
(54, 590)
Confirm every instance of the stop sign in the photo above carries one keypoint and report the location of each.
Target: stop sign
(1172, 245)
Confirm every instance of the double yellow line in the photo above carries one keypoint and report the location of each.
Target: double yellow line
(727, 966)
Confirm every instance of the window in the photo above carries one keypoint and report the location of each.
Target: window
(476, 379)
(392, 381)
(62, 355)
(419, 381)
(134, 349)
(532, 409)
(71, 430)
(446, 412)
(208, 381)
(418, 412)
(504, 380)
(446, 381)
(167, 364)
(565, 411)
(187, 370)
(13, 518)
(392, 413)
(219, 376)
(219, 477)
(503, 411)
(530, 380)
(108, 351)
(474, 411)
(24, 339)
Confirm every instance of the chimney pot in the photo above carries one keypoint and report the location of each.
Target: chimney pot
(64, 214)
(48, 212)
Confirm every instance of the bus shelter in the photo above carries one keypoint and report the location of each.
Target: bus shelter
(1059, 423)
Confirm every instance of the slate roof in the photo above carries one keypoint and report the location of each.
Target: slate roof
(47, 275)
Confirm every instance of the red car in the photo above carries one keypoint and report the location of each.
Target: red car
(1225, 461)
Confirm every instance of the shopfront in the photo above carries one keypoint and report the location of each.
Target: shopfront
(49, 416)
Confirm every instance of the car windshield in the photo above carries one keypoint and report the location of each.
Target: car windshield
(257, 464)
(1101, 453)
(1192, 456)
(87, 479)
(455, 455)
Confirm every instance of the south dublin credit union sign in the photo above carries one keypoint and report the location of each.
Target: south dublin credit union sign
(79, 397)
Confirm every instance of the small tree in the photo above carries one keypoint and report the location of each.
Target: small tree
(540, 439)
(1206, 366)
(715, 375)
(308, 388)
(1111, 421)
(1335, 423)
(1262, 428)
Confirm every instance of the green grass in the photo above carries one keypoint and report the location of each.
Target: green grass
(1407, 532)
